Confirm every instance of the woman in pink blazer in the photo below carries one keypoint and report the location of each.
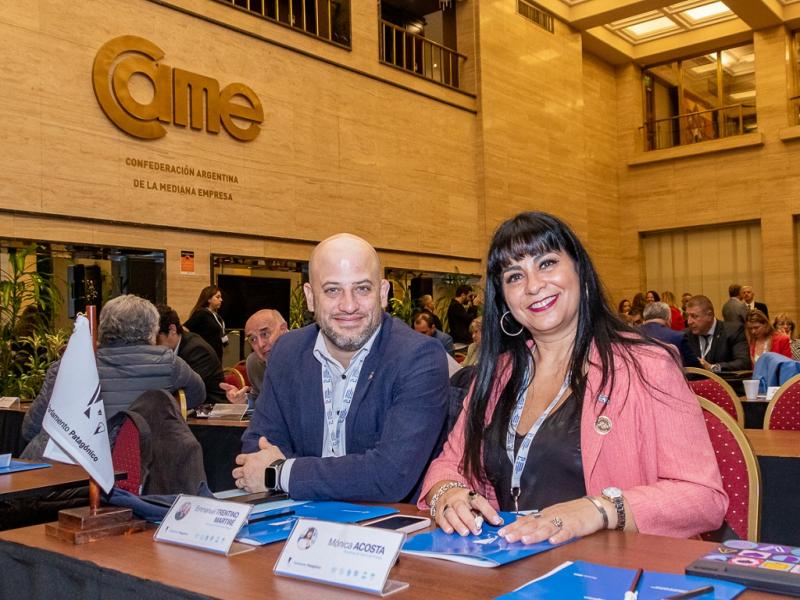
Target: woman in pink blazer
(572, 413)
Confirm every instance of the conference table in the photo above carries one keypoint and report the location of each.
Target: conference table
(135, 566)
(36, 482)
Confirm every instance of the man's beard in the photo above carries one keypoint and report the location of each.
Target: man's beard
(353, 341)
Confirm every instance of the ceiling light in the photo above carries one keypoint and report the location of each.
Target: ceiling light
(707, 11)
(651, 27)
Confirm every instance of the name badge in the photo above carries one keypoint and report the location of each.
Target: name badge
(9, 402)
(349, 556)
(204, 523)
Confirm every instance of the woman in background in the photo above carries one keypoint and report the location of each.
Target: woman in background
(676, 316)
(204, 320)
(572, 412)
(763, 338)
(784, 324)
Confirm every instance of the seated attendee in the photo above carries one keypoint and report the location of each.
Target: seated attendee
(763, 338)
(635, 316)
(785, 324)
(734, 310)
(676, 317)
(352, 407)
(426, 305)
(463, 308)
(624, 308)
(720, 346)
(472, 350)
(572, 413)
(423, 323)
(129, 363)
(261, 330)
(657, 319)
(194, 350)
(749, 298)
(652, 296)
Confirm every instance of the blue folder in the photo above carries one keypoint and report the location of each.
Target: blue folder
(17, 465)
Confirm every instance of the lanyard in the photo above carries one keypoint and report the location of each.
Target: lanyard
(335, 422)
(521, 458)
(708, 341)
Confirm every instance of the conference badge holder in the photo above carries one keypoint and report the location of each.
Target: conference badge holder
(206, 524)
(348, 556)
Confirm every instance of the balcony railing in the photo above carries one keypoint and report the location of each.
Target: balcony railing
(416, 54)
(327, 20)
(700, 126)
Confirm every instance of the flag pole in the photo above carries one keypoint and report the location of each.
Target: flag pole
(94, 487)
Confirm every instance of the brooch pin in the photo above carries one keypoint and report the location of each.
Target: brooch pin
(602, 399)
(602, 425)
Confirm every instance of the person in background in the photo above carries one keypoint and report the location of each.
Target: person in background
(676, 317)
(657, 320)
(462, 310)
(194, 350)
(472, 351)
(734, 311)
(785, 324)
(748, 297)
(426, 305)
(684, 299)
(129, 363)
(261, 330)
(205, 321)
(638, 302)
(652, 296)
(763, 338)
(720, 346)
(572, 412)
(624, 308)
(636, 316)
(423, 323)
(353, 406)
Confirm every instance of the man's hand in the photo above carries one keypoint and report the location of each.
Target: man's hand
(234, 394)
(705, 364)
(250, 474)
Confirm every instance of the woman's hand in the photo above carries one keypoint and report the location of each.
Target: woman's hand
(557, 523)
(463, 511)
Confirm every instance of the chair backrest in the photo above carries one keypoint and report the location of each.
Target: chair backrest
(233, 377)
(241, 366)
(783, 411)
(126, 456)
(714, 388)
(738, 466)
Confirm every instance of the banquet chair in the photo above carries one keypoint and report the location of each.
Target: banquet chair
(741, 476)
(714, 388)
(126, 456)
(783, 411)
(241, 366)
(233, 377)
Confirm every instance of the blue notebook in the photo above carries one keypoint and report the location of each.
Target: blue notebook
(17, 465)
(581, 579)
(276, 530)
(486, 549)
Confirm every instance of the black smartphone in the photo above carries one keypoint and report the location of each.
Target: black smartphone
(402, 523)
(260, 497)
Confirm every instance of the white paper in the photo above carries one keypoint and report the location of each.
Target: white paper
(343, 555)
(203, 523)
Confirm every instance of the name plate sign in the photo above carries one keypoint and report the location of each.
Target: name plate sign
(349, 556)
(9, 402)
(204, 523)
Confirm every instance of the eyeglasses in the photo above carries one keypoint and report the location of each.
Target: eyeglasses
(262, 334)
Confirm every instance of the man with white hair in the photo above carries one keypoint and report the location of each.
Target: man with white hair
(353, 406)
(657, 320)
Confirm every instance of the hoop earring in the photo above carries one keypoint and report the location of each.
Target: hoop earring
(502, 326)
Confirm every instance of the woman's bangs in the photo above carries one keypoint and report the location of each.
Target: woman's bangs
(520, 244)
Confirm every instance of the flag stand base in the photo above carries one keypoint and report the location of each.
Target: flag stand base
(81, 525)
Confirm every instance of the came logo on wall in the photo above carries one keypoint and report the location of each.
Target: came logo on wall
(179, 96)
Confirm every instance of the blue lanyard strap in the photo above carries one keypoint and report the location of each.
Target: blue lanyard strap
(521, 457)
(335, 422)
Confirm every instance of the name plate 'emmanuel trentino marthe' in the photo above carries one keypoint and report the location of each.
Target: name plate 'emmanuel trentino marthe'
(178, 96)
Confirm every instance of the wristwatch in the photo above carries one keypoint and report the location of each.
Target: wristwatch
(272, 475)
(614, 495)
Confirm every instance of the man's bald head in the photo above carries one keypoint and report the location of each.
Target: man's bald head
(344, 247)
(346, 291)
(262, 330)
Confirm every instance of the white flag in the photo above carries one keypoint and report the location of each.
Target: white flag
(76, 416)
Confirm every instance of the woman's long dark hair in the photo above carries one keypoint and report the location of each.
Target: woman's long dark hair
(533, 234)
(205, 295)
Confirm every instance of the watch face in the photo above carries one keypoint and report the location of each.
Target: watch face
(270, 478)
(612, 492)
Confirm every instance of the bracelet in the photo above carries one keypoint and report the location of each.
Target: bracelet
(440, 492)
(599, 506)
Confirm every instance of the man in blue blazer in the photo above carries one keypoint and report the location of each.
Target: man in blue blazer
(657, 318)
(353, 406)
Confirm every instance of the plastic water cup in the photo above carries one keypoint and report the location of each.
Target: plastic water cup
(751, 388)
